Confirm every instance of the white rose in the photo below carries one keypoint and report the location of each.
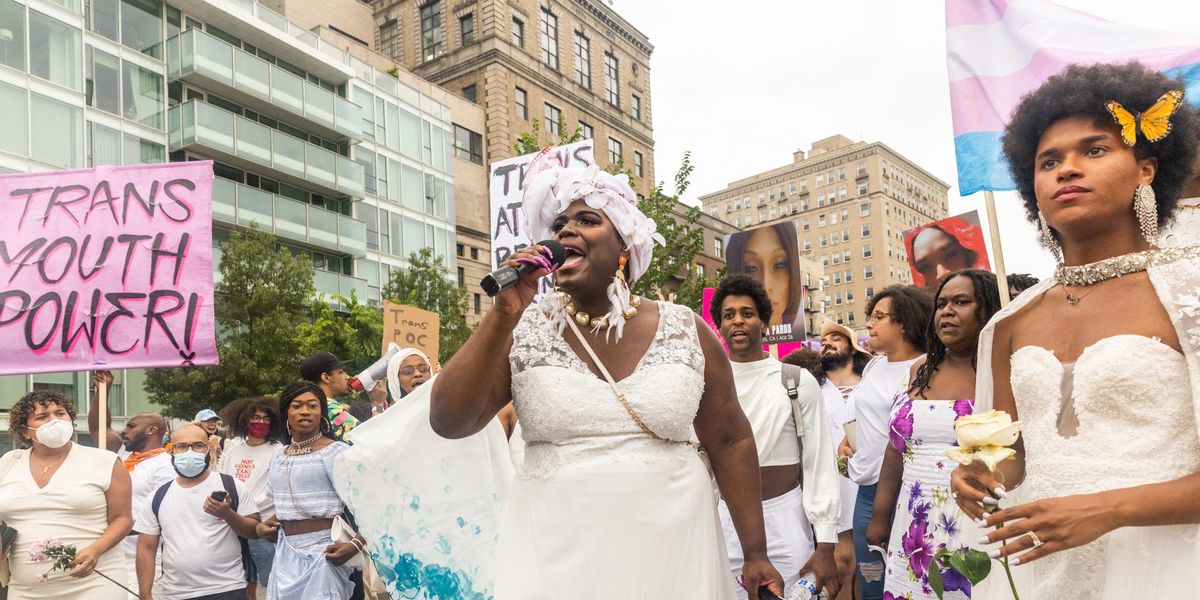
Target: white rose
(993, 428)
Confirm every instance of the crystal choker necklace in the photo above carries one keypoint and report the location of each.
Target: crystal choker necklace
(1117, 266)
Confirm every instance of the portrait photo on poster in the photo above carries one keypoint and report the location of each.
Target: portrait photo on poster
(941, 247)
(771, 254)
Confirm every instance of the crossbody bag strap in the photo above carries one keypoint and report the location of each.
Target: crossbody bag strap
(613, 384)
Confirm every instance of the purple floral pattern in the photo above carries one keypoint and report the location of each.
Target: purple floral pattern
(926, 519)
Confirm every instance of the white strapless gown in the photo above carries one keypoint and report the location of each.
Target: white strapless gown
(600, 510)
(1136, 425)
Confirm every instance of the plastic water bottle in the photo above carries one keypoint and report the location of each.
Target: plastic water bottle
(806, 589)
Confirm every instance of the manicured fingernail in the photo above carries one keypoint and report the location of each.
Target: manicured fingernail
(999, 491)
(1015, 561)
(994, 553)
(981, 521)
(989, 500)
(983, 541)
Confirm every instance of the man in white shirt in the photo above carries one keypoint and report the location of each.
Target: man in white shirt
(897, 324)
(842, 361)
(195, 519)
(792, 512)
(149, 465)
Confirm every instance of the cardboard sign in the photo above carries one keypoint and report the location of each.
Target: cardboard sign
(506, 188)
(411, 327)
(107, 268)
(939, 248)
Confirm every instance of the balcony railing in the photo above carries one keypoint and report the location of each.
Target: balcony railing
(240, 141)
(213, 64)
(239, 204)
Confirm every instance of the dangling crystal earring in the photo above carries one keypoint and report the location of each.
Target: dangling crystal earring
(1145, 207)
(1046, 238)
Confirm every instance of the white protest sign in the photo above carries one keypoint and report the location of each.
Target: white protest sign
(506, 186)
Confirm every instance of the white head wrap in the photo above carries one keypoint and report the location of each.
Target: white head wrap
(552, 189)
(393, 370)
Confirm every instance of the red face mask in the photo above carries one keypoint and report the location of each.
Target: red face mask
(259, 430)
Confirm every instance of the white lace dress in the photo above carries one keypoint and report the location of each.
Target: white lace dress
(1137, 410)
(600, 510)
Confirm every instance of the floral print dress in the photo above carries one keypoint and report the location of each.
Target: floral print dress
(926, 518)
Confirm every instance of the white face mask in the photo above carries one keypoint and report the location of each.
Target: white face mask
(55, 434)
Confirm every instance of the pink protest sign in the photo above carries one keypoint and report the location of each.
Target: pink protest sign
(106, 268)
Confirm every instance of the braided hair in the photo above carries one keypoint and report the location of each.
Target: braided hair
(987, 303)
(295, 390)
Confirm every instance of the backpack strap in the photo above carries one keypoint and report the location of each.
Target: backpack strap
(156, 503)
(248, 567)
(791, 376)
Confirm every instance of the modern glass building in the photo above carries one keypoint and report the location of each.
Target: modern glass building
(344, 163)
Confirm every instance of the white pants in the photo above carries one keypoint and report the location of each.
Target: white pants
(789, 537)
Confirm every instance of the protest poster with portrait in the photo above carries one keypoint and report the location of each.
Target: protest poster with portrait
(506, 186)
(107, 268)
(771, 254)
(938, 248)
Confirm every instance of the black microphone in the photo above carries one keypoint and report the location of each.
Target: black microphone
(506, 276)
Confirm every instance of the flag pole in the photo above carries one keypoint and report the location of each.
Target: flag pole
(997, 251)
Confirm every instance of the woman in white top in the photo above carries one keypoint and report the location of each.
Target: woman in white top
(612, 501)
(60, 490)
(256, 429)
(1101, 362)
(792, 510)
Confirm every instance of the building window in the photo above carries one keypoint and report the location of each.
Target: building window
(805, 225)
(553, 114)
(462, 277)
(849, 276)
(583, 65)
(866, 251)
(636, 105)
(719, 248)
(55, 49)
(518, 32)
(862, 189)
(614, 152)
(821, 220)
(700, 270)
(431, 30)
(866, 230)
(612, 79)
(522, 100)
(638, 168)
(586, 131)
(807, 245)
(470, 94)
(845, 235)
(389, 37)
(868, 273)
(846, 254)
(864, 209)
(477, 302)
(548, 35)
(468, 145)
(870, 293)
(466, 28)
(824, 240)
(728, 206)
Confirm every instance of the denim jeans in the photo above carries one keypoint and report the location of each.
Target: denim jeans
(870, 564)
(263, 553)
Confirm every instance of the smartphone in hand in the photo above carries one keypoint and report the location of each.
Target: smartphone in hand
(220, 495)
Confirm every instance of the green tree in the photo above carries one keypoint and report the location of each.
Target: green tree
(424, 285)
(262, 302)
(352, 333)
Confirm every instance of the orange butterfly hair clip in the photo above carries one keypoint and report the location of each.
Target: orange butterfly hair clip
(1154, 124)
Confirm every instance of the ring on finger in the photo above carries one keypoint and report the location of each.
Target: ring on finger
(1037, 541)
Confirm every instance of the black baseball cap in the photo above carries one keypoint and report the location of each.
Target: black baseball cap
(312, 367)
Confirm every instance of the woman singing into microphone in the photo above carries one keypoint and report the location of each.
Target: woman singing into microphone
(612, 501)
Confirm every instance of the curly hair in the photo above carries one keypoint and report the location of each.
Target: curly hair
(1021, 281)
(237, 414)
(987, 303)
(809, 360)
(18, 415)
(1082, 91)
(741, 285)
(296, 389)
(911, 309)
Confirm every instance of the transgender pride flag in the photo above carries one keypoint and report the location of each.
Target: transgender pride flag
(999, 50)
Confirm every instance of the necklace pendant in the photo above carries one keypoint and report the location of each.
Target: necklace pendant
(1073, 299)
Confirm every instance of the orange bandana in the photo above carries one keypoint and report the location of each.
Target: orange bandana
(137, 457)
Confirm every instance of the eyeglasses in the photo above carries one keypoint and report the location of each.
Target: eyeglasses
(260, 419)
(409, 370)
(201, 447)
(878, 316)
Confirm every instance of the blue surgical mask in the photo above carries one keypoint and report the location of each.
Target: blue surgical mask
(190, 464)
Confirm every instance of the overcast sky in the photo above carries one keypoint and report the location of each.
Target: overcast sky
(742, 85)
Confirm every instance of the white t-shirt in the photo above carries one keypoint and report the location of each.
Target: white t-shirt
(839, 411)
(249, 465)
(147, 476)
(872, 409)
(200, 553)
